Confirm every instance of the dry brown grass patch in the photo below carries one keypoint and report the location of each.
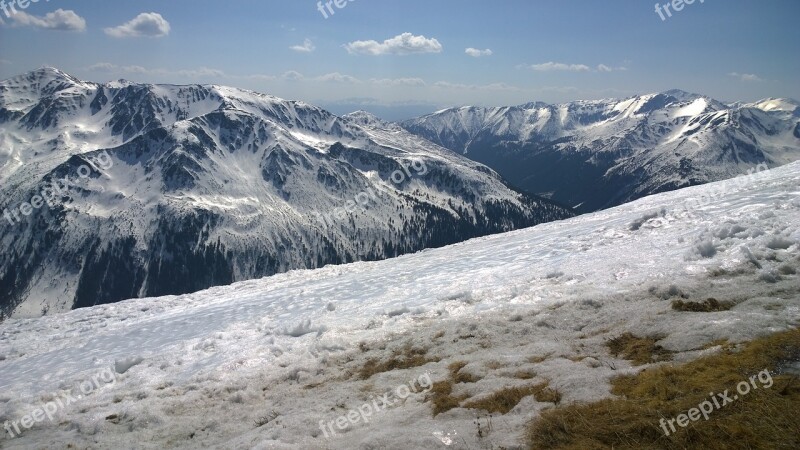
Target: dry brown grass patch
(639, 350)
(461, 377)
(405, 358)
(710, 305)
(765, 418)
(524, 374)
(441, 395)
(539, 358)
(506, 399)
(724, 343)
(494, 365)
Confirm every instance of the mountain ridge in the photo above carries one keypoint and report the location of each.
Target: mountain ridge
(208, 185)
(601, 153)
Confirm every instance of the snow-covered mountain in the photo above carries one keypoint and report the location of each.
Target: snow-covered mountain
(271, 363)
(595, 154)
(123, 190)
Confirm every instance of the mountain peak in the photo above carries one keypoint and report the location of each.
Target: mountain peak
(121, 83)
(50, 79)
(362, 117)
(776, 104)
(53, 74)
(533, 105)
(681, 94)
(49, 69)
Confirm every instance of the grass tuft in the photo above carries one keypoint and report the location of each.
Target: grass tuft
(639, 350)
(538, 358)
(506, 399)
(441, 395)
(461, 377)
(524, 374)
(710, 305)
(405, 358)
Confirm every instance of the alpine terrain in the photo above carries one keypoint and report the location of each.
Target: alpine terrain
(123, 190)
(596, 154)
(411, 352)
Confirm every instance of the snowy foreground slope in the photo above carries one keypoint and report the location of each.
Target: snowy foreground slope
(200, 370)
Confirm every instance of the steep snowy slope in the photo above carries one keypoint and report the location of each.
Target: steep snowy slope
(272, 363)
(122, 190)
(596, 154)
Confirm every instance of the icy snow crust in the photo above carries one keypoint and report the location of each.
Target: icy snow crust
(201, 369)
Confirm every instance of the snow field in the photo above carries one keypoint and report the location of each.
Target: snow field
(203, 370)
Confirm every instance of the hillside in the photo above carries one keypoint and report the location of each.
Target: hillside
(122, 190)
(272, 363)
(597, 154)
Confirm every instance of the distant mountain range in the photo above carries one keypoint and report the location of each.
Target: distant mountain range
(121, 190)
(597, 154)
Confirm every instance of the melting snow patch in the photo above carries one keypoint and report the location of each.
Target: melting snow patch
(769, 276)
(304, 328)
(398, 312)
(637, 224)
(123, 365)
(707, 249)
(750, 256)
(555, 274)
(779, 243)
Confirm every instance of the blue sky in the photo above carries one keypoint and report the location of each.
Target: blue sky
(401, 58)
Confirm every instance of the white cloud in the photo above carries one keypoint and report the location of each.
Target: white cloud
(4, 61)
(560, 67)
(476, 53)
(201, 72)
(259, 77)
(745, 76)
(144, 25)
(559, 89)
(307, 47)
(108, 67)
(337, 77)
(605, 68)
(475, 87)
(398, 81)
(404, 44)
(59, 19)
(210, 73)
(293, 75)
